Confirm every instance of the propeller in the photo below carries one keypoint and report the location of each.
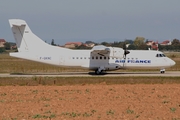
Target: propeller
(125, 51)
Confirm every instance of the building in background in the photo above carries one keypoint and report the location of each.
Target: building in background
(166, 42)
(73, 44)
(153, 44)
(2, 41)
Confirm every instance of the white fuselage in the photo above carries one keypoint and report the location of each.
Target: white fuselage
(99, 58)
(83, 58)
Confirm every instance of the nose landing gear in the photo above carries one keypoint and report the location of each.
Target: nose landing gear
(162, 71)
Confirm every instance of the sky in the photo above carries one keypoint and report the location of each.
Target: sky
(95, 20)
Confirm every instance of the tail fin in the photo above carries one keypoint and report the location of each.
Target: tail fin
(26, 40)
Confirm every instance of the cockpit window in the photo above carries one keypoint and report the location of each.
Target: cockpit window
(160, 55)
(163, 55)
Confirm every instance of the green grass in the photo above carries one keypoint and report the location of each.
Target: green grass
(172, 109)
(129, 111)
(38, 116)
(110, 112)
(78, 114)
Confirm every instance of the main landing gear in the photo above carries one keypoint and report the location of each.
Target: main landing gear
(99, 70)
(162, 71)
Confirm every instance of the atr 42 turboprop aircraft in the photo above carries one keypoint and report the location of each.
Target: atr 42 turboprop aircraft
(99, 58)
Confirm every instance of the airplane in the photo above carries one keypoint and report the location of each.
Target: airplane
(100, 58)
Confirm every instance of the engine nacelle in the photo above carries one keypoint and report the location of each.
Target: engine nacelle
(112, 66)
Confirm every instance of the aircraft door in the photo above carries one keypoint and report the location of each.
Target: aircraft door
(61, 61)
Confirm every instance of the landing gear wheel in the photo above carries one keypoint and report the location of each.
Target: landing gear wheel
(162, 71)
(97, 72)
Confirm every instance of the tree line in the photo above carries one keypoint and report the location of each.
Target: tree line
(7, 46)
(139, 44)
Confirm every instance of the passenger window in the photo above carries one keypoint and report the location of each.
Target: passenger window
(92, 57)
(96, 57)
(100, 57)
(81, 57)
(104, 57)
(84, 57)
(76, 57)
(73, 57)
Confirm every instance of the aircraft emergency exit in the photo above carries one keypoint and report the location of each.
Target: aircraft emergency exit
(99, 58)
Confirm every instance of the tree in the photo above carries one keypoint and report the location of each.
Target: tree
(7, 46)
(143, 47)
(175, 42)
(118, 44)
(52, 42)
(88, 42)
(2, 49)
(82, 47)
(139, 41)
(132, 47)
(105, 44)
(128, 41)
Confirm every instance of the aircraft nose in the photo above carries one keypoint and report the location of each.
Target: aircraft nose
(172, 63)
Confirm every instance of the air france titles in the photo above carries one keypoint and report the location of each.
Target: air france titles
(133, 61)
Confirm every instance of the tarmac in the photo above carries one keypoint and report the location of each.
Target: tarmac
(92, 74)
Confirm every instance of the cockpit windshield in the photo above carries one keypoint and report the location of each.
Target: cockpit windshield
(160, 55)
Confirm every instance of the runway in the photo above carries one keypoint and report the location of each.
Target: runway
(91, 74)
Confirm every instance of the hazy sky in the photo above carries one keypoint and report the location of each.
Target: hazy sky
(80, 20)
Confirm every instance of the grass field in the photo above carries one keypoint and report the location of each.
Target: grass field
(60, 81)
(14, 65)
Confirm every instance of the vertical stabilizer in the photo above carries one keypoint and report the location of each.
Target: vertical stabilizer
(25, 39)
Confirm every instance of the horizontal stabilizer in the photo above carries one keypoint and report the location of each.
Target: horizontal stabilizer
(18, 25)
(17, 22)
